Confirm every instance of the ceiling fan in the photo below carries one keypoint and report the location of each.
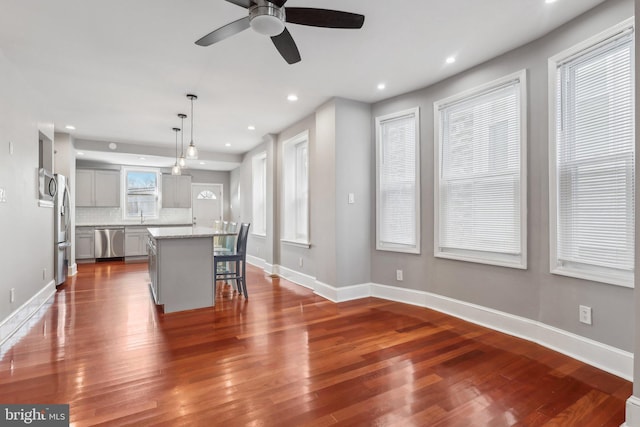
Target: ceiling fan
(268, 17)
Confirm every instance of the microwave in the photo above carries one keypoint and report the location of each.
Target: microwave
(47, 185)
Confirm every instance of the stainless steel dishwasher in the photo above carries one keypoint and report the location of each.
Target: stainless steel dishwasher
(109, 242)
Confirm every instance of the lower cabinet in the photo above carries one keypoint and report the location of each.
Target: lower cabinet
(85, 248)
(135, 241)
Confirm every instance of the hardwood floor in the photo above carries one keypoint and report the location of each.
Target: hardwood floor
(287, 357)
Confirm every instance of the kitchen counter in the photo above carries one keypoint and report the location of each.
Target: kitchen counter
(134, 224)
(181, 267)
(186, 232)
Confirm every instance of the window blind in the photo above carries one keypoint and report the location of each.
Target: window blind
(480, 175)
(595, 158)
(397, 181)
(259, 189)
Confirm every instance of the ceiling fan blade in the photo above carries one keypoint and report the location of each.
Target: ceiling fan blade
(223, 32)
(242, 3)
(278, 3)
(324, 18)
(286, 46)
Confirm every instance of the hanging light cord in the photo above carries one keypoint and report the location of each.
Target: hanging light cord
(192, 120)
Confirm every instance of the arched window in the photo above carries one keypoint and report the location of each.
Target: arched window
(206, 195)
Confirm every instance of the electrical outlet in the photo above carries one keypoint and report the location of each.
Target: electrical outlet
(585, 314)
(12, 294)
(352, 198)
(44, 274)
(300, 262)
(3, 195)
(399, 277)
(10, 147)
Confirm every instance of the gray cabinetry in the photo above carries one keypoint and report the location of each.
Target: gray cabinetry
(85, 243)
(135, 241)
(176, 191)
(99, 188)
(85, 187)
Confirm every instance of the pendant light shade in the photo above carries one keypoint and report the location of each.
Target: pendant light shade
(182, 162)
(175, 170)
(192, 151)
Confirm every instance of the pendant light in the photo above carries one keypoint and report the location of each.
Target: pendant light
(175, 170)
(192, 151)
(182, 161)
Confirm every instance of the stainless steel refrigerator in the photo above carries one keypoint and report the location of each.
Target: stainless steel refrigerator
(62, 230)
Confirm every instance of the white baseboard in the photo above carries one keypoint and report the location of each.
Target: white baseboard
(602, 356)
(295, 276)
(264, 265)
(20, 316)
(632, 412)
(346, 293)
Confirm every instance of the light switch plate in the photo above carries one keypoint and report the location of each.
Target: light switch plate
(10, 147)
(3, 195)
(352, 198)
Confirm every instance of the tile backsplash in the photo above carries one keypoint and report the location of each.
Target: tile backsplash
(108, 216)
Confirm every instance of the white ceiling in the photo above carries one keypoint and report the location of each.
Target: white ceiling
(119, 70)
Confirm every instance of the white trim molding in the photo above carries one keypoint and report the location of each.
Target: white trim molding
(20, 316)
(610, 359)
(269, 269)
(73, 269)
(632, 412)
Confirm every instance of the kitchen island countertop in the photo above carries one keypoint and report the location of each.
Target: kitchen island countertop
(185, 232)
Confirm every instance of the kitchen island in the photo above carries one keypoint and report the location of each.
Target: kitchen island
(181, 267)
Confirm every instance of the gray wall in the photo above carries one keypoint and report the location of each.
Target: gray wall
(242, 210)
(534, 293)
(26, 230)
(288, 255)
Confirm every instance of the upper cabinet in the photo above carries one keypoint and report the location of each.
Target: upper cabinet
(176, 191)
(99, 188)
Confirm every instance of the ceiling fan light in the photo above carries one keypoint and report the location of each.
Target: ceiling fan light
(267, 25)
(192, 152)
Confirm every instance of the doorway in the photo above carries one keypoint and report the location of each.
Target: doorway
(206, 203)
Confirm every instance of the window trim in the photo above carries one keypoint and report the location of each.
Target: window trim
(587, 272)
(259, 157)
(124, 194)
(481, 257)
(302, 137)
(395, 247)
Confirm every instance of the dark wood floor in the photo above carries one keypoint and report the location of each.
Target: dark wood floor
(287, 357)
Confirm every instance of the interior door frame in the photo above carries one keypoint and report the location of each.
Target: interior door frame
(211, 186)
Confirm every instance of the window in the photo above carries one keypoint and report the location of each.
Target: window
(296, 190)
(259, 188)
(206, 195)
(480, 166)
(398, 182)
(141, 193)
(592, 158)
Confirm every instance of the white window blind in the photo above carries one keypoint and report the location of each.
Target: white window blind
(594, 152)
(295, 224)
(480, 180)
(398, 192)
(259, 189)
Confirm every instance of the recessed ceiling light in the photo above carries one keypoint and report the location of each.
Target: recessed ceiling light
(113, 146)
(227, 144)
(549, 1)
(80, 153)
(142, 158)
(293, 97)
(251, 127)
(382, 86)
(451, 60)
(70, 127)
(203, 163)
